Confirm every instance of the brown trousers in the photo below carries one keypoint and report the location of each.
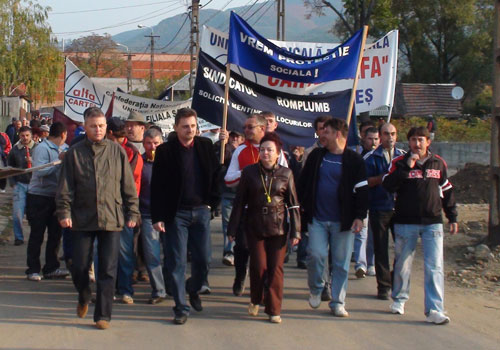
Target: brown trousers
(267, 257)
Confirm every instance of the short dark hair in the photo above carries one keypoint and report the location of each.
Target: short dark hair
(371, 130)
(57, 129)
(92, 112)
(35, 123)
(321, 119)
(184, 113)
(419, 131)
(153, 132)
(367, 123)
(24, 129)
(339, 125)
(273, 137)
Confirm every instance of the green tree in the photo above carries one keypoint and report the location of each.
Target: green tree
(352, 15)
(97, 55)
(446, 41)
(27, 56)
(441, 41)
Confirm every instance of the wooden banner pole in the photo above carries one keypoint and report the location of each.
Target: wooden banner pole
(224, 114)
(356, 77)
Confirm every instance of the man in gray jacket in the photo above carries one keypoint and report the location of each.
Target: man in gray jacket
(41, 206)
(96, 198)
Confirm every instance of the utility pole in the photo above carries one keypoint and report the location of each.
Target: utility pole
(129, 67)
(194, 43)
(494, 219)
(151, 69)
(280, 20)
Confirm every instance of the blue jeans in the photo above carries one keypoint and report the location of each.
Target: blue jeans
(126, 262)
(324, 234)
(194, 225)
(363, 248)
(226, 206)
(151, 245)
(18, 206)
(432, 244)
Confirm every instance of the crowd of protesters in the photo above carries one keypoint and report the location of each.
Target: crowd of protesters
(123, 193)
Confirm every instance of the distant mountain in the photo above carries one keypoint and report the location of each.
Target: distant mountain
(262, 17)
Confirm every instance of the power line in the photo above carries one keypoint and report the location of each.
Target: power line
(218, 13)
(109, 8)
(248, 8)
(130, 21)
(263, 4)
(176, 34)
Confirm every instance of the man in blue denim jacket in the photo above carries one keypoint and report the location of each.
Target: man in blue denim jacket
(381, 204)
(41, 206)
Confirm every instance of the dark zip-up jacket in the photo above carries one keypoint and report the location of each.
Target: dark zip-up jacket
(96, 187)
(352, 191)
(264, 219)
(167, 180)
(422, 192)
(17, 159)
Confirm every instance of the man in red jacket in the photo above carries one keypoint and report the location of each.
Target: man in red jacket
(126, 262)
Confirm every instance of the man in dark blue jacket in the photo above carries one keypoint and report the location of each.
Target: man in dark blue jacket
(381, 204)
(333, 193)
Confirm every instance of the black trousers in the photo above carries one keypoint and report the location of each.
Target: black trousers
(40, 211)
(380, 223)
(241, 253)
(108, 247)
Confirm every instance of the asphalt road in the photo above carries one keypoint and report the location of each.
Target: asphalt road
(41, 315)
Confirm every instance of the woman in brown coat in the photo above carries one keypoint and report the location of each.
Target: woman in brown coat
(267, 190)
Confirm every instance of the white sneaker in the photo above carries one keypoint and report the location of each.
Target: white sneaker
(228, 259)
(127, 299)
(275, 319)
(314, 300)
(253, 309)
(371, 271)
(360, 273)
(34, 277)
(57, 273)
(339, 311)
(398, 308)
(437, 317)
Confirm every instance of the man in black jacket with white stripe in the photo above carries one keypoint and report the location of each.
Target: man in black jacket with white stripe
(422, 189)
(333, 192)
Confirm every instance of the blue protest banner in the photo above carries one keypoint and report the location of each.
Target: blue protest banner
(250, 50)
(295, 114)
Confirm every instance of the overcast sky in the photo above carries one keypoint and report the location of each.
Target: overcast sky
(73, 19)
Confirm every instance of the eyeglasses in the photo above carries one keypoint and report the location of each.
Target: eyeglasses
(250, 127)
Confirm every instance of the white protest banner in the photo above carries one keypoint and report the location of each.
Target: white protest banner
(80, 92)
(159, 112)
(377, 76)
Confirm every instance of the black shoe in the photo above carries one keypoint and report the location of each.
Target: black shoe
(301, 265)
(383, 295)
(326, 293)
(156, 300)
(195, 301)
(180, 319)
(238, 287)
(18, 242)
